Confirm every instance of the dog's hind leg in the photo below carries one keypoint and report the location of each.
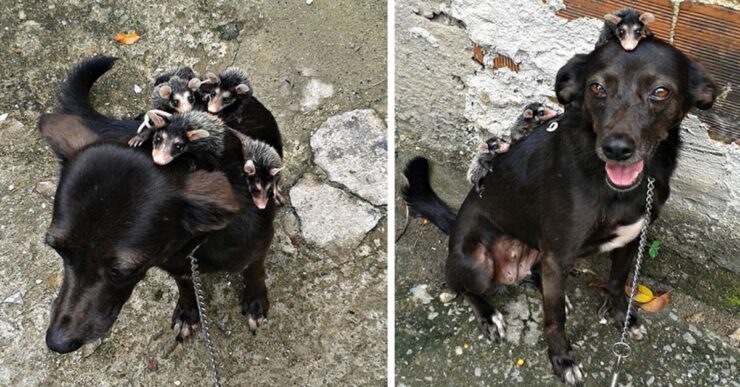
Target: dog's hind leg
(254, 295)
(185, 319)
(564, 363)
(470, 272)
(621, 263)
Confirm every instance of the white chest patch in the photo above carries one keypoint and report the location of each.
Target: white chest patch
(624, 235)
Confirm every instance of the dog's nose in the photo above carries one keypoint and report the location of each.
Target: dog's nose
(618, 147)
(60, 343)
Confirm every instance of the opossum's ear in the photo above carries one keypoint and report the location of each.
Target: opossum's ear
(212, 79)
(242, 89)
(528, 113)
(165, 91)
(197, 134)
(194, 84)
(569, 82)
(210, 202)
(702, 89)
(647, 18)
(249, 168)
(611, 18)
(275, 171)
(243, 139)
(156, 119)
(65, 134)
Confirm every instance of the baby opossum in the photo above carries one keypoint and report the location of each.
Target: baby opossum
(482, 162)
(628, 25)
(533, 116)
(197, 134)
(175, 91)
(230, 96)
(262, 167)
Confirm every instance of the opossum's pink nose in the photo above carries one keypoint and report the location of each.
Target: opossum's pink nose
(504, 147)
(550, 114)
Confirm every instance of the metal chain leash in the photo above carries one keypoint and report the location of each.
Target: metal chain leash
(621, 349)
(198, 286)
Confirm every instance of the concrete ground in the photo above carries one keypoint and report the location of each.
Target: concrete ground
(306, 62)
(446, 102)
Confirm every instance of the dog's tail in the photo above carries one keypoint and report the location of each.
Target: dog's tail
(74, 97)
(422, 199)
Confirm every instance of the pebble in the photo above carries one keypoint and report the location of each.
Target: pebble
(3, 117)
(14, 298)
(446, 297)
(477, 371)
(309, 2)
(432, 315)
(458, 350)
(689, 339)
(137, 89)
(420, 293)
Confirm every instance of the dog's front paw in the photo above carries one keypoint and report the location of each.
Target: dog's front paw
(185, 321)
(635, 329)
(255, 308)
(568, 369)
(494, 326)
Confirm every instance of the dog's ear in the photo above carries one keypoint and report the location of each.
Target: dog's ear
(569, 82)
(210, 202)
(65, 134)
(702, 88)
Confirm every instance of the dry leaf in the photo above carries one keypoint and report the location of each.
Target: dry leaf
(477, 53)
(642, 294)
(129, 38)
(657, 304)
(696, 317)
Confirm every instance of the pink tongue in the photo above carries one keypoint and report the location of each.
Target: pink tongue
(624, 175)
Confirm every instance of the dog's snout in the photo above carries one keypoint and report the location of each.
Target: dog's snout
(618, 147)
(58, 341)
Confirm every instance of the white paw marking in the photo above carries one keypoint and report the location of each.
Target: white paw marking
(637, 332)
(183, 330)
(574, 374)
(568, 306)
(498, 321)
(252, 324)
(446, 297)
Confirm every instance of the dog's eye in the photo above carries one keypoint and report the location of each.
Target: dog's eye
(117, 275)
(660, 94)
(597, 90)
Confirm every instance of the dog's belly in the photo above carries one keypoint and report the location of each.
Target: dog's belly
(507, 261)
(622, 235)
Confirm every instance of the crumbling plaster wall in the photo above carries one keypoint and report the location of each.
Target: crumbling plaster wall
(447, 102)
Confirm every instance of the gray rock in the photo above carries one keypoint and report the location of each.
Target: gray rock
(331, 218)
(46, 189)
(352, 149)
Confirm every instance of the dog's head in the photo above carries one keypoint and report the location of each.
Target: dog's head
(633, 99)
(115, 216)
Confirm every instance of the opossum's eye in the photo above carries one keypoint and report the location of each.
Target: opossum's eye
(175, 102)
(660, 94)
(541, 113)
(597, 90)
(157, 139)
(190, 99)
(178, 146)
(621, 32)
(638, 31)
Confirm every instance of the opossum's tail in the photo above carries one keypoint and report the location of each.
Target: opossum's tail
(74, 97)
(422, 199)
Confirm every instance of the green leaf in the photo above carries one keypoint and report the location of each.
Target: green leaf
(654, 249)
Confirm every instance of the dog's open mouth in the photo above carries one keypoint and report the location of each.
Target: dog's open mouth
(624, 176)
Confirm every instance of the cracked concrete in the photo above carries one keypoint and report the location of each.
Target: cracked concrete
(327, 323)
(447, 103)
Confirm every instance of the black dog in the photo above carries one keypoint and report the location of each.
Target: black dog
(116, 215)
(573, 192)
